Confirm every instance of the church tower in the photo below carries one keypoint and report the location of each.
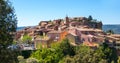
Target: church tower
(67, 20)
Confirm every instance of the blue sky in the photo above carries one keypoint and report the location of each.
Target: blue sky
(31, 12)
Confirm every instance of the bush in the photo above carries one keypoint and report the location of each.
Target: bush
(31, 60)
(21, 59)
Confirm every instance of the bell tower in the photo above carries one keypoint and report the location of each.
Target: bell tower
(67, 20)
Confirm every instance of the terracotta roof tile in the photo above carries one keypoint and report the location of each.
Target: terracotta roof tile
(55, 31)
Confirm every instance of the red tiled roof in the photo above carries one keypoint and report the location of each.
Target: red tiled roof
(55, 31)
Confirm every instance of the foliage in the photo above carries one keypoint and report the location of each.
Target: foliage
(14, 42)
(31, 60)
(90, 18)
(64, 52)
(67, 59)
(110, 53)
(67, 48)
(8, 55)
(8, 24)
(47, 55)
(26, 38)
(110, 31)
(27, 53)
(21, 59)
(55, 53)
(85, 54)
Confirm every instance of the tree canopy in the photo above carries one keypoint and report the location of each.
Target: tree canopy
(90, 18)
(110, 31)
(8, 24)
(64, 52)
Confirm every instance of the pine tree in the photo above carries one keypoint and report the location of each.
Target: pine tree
(8, 24)
(90, 18)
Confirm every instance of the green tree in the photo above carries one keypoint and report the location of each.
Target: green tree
(32, 60)
(67, 59)
(67, 48)
(48, 55)
(27, 39)
(55, 53)
(64, 52)
(90, 18)
(110, 31)
(21, 59)
(8, 24)
(84, 54)
(104, 52)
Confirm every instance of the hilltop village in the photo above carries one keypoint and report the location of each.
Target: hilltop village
(79, 30)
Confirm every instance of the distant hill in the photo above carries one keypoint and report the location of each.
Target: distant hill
(20, 28)
(115, 28)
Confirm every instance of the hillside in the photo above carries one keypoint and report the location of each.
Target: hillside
(115, 28)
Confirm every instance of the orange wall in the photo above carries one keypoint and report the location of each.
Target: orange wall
(63, 35)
